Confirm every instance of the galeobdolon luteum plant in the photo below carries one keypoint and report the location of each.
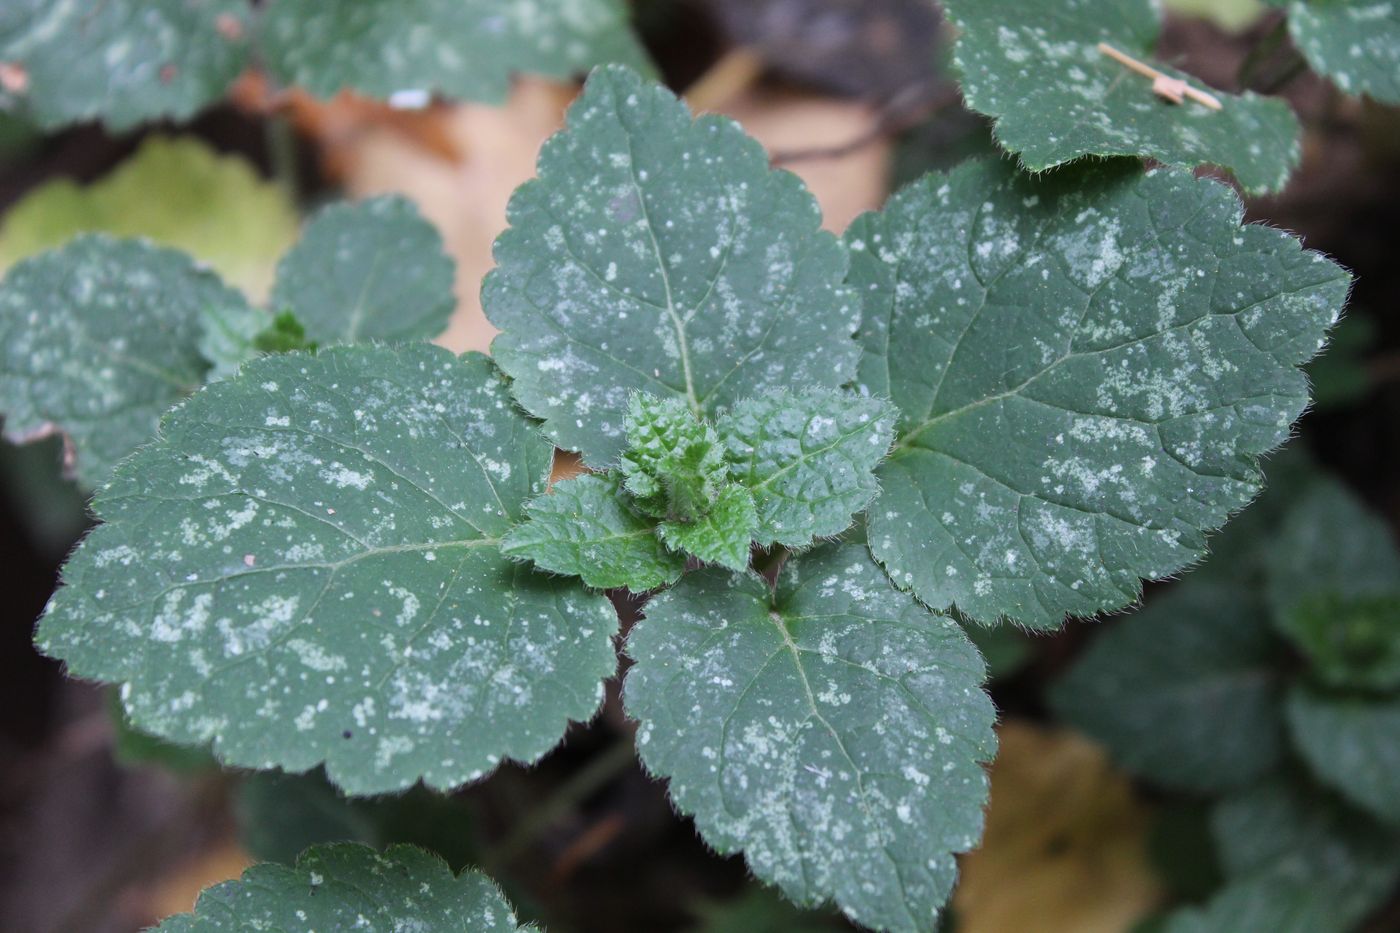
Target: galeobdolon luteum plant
(1004, 399)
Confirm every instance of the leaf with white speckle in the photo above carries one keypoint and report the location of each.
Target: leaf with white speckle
(1088, 367)
(586, 528)
(126, 61)
(832, 730)
(347, 886)
(808, 458)
(1056, 97)
(467, 49)
(306, 567)
(99, 338)
(373, 270)
(659, 254)
(1355, 43)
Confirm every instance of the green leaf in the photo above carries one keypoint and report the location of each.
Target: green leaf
(1356, 43)
(460, 48)
(232, 336)
(832, 729)
(586, 528)
(1264, 903)
(659, 254)
(1289, 830)
(1005, 648)
(126, 61)
(281, 815)
(1185, 692)
(178, 192)
(1352, 745)
(1334, 587)
(1088, 366)
(1056, 97)
(373, 270)
(98, 339)
(133, 748)
(351, 887)
(674, 463)
(306, 567)
(808, 458)
(723, 535)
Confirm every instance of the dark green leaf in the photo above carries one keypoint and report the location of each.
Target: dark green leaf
(351, 887)
(373, 270)
(1055, 97)
(126, 61)
(460, 48)
(832, 730)
(1352, 744)
(98, 339)
(305, 567)
(1185, 693)
(1334, 587)
(1088, 366)
(1356, 43)
(660, 254)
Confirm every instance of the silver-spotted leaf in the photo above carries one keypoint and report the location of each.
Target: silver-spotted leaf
(1352, 744)
(126, 61)
(1088, 366)
(1055, 97)
(460, 48)
(659, 254)
(722, 535)
(587, 528)
(373, 270)
(833, 730)
(1355, 43)
(1334, 587)
(98, 339)
(809, 459)
(347, 886)
(1187, 692)
(306, 567)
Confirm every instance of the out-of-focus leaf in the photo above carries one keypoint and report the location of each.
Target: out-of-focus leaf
(1186, 692)
(1296, 832)
(1352, 744)
(175, 191)
(369, 270)
(125, 61)
(1334, 589)
(98, 339)
(351, 887)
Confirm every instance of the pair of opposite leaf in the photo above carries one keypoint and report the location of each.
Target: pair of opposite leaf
(684, 486)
